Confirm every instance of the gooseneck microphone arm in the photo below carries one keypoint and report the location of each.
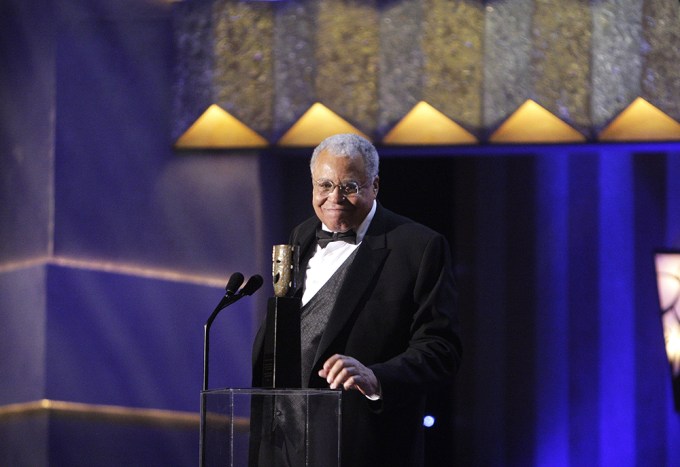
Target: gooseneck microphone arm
(231, 296)
(233, 284)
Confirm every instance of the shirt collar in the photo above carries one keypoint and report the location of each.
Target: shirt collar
(363, 227)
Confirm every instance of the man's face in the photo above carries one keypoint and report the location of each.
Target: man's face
(341, 212)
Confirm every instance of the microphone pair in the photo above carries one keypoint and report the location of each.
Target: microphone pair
(235, 281)
(233, 295)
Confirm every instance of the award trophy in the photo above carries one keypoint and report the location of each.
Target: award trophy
(281, 359)
(290, 425)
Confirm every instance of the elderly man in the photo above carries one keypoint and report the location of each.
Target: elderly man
(378, 315)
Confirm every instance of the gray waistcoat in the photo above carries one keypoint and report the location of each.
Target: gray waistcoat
(314, 316)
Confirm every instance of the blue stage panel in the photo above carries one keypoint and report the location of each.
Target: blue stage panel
(134, 341)
(22, 334)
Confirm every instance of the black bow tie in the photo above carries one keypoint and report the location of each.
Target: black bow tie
(324, 237)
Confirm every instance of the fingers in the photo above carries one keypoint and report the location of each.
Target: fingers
(348, 373)
(337, 370)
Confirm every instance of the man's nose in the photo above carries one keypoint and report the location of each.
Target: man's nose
(336, 194)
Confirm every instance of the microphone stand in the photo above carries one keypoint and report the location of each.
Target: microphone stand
(231, 297)
(225, 302)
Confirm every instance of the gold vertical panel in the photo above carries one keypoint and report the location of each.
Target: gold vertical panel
(401, 61)
(616, 64)
(294, 63)
(507, 54)
(243, 61)
(348, 41)
(661, 56)
(561, 59)
(195, 60)
(453, 67)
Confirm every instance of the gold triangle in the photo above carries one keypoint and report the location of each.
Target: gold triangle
(532, 123)
(641, 121)
(315, 125)
(426, 125)
(218, 129)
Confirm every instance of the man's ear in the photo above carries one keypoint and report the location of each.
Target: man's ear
(376, 184)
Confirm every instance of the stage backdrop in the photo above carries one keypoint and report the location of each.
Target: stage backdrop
(115, 247)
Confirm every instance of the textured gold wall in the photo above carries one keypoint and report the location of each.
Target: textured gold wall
(243, 78)
(371, 61)
(560, 59)
(453, 36)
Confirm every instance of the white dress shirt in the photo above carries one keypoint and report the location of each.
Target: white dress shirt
(326, 261)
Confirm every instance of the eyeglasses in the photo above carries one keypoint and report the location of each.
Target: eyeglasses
(326, 187)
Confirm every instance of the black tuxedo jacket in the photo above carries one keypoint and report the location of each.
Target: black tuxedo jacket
(396, 314)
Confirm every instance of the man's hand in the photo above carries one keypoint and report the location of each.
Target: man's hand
(348, 372)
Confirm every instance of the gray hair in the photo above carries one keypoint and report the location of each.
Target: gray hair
(350, 145)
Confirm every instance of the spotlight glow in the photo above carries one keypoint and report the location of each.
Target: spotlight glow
(428, 421)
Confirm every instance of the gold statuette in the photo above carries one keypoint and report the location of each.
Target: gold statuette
(283, 269)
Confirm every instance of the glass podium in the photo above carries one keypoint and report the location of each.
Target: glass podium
(270, 427)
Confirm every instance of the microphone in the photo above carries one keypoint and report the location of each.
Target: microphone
(230, 296)
(234, 283)
(254, 283)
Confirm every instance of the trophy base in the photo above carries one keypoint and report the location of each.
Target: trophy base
(281, 358)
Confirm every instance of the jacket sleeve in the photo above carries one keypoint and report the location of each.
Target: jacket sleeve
(434, 348)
